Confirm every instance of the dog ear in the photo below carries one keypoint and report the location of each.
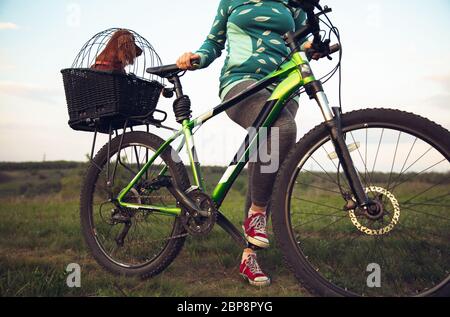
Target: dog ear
(127, 49)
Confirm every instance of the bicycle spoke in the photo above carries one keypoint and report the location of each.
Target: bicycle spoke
(409, 154)
(422, 230)
(431, 199)
(425, 204)
(378, 151)
(365, 152)
(319, 204)
(149, 233)
(334, 164)
(393, 161)
(321, 227)
(412, 250)
(137, 158)
(426, 213)
(326, 179)
(395, 184)
(331, 179)
(369, 181)
(131, 171)
(317, 219)
(386, 266)
(420, 173)
(321, 188)
(423, 192)
(318, 214)
(332, 223)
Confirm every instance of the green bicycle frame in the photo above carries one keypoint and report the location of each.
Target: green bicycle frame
(292, 75)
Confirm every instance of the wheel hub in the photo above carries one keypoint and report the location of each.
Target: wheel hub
(376, 213)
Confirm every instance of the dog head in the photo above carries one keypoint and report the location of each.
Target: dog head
(127, 50)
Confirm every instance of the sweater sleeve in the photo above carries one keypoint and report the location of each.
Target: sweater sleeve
(300, 21)
(215, 42)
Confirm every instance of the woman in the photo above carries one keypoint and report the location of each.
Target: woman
(254, 30)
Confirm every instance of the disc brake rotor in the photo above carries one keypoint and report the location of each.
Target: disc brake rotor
(378, 231)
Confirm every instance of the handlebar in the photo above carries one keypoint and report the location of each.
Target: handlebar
(291, 38)
(312, 27)
(335, 48)
(170, 70)
(324, 53)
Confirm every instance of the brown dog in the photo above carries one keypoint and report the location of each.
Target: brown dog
(120, 52)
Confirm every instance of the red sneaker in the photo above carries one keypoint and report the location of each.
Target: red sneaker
(255, 229)
(251, 272)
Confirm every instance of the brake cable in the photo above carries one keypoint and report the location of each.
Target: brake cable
(338, 68)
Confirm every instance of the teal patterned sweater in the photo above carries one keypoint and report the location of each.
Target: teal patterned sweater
(253, 30)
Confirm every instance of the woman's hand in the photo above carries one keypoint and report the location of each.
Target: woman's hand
(185, 61)
(307, 46)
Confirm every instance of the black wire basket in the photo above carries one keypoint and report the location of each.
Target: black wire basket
(104, 100)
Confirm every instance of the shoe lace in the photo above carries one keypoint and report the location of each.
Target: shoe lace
(259, 223)
(253, 265)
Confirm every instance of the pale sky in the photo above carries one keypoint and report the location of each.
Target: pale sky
(396, 55)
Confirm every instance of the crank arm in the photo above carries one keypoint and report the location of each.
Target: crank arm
(186, 201)
(180, 196)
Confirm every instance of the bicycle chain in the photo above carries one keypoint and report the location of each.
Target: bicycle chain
(184, 235)
(395, 219)
(139, 243)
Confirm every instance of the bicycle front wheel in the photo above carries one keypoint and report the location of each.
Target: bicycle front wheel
(124, 241)
(403, 250)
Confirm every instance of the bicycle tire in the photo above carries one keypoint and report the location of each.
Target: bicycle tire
(179, 175)
(296, 260)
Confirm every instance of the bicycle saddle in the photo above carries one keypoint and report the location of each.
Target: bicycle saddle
(165, 71)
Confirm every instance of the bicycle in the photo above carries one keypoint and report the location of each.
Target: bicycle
(138, 205)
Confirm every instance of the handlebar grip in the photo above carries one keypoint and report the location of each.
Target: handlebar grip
(195, 63)
(335, 48)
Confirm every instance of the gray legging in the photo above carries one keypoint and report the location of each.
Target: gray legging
(245, 113)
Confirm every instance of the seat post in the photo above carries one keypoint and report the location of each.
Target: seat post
(175, 80)
(182, 104)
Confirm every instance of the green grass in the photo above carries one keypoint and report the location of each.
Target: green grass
(40, 235)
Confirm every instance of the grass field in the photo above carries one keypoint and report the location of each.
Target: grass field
(40, 235)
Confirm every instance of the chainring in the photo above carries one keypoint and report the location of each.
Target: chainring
(195, 224)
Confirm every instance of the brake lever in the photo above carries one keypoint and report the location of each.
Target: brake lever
(321, 47)
(324, 11)
(326, 46)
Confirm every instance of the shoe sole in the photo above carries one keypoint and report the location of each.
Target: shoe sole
(258, 243)
(258, 284)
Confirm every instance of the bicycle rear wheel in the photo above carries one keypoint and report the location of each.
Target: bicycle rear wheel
(124, 241)
(404, 250)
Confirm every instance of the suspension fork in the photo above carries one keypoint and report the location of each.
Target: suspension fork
(334, 124)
